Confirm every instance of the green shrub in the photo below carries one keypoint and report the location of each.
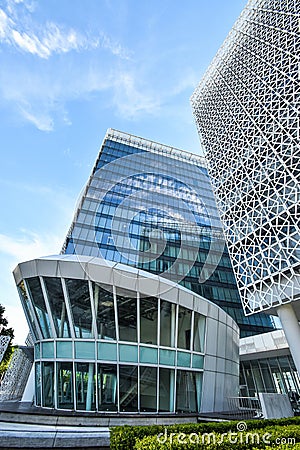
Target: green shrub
(269, 437)
(127, 437)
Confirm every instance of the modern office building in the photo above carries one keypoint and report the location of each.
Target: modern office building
(151, 206)
(116, 339)
(134, 315)
(247, 109)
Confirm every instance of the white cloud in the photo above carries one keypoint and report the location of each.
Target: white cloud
(30, 5)
(40, 93)
(52, 39)
(44, 40)
(41, 120)
(115, 48)
(130, 100)
(4, 24)
(29, 246)
(41, 97)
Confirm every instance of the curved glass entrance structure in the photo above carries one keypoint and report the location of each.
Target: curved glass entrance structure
(113, 338)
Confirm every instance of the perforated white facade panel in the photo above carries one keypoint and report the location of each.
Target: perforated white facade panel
(4, 341)
(247, 110)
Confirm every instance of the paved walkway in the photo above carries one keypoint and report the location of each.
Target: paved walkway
(22, 435)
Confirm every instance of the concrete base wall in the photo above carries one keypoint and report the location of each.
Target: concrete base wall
(275, 406)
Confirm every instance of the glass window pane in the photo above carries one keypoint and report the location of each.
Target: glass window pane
(128, 388)
(104, 310)
(198, 361)
(128, 353)
(167, 323)
(148, 320)
(148, 388)
(184, 328)
(85, 386)
(127, 317)
(183, 359)
(166, 389)
(186, 392)
(38, 384)
(37, 298)
(148, 355)
(65, 395)
(79, 295)
(167, 357)
(37, 351)
(48, 349)
(107, 351)
(48, 384)
(64, 349)
(199, 332)
(84, 350)
(58, 307)
(28, 312)
(107, 387)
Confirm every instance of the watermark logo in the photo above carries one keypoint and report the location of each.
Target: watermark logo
(241, 426)
(241, 436)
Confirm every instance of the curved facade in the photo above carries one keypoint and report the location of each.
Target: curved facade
(112, 338)
(151, 206)
(247, 109)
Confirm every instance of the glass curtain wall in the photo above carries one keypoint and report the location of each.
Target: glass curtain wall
(276, 375)
(93, 309)
(140, 388)
(147, 374)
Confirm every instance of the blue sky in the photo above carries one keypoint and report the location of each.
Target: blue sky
(70, 69)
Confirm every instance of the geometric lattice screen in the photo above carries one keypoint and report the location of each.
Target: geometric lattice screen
(4, 341)
(15, 378)
(247, 110)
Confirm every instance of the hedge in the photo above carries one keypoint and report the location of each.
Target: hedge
(125, 437)
(275, 437)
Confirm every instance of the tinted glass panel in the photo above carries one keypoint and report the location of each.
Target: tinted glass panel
(188, 390)
(28, 312)
(127, 317)
(149, 320)
(199, 332)
(85, 386)
(104, 310)
(38, 384)
(184, 328)
(48, 384)
(37, 298)
(58, 306)
(128, 388)
(167, 323)
(65, 398)
(166, 389)
(80, 302)
(148, 388)
(107, 387)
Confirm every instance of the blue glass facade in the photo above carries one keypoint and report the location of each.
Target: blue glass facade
(152, 207)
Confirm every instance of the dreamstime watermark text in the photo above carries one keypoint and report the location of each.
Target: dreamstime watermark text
(241, 436)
